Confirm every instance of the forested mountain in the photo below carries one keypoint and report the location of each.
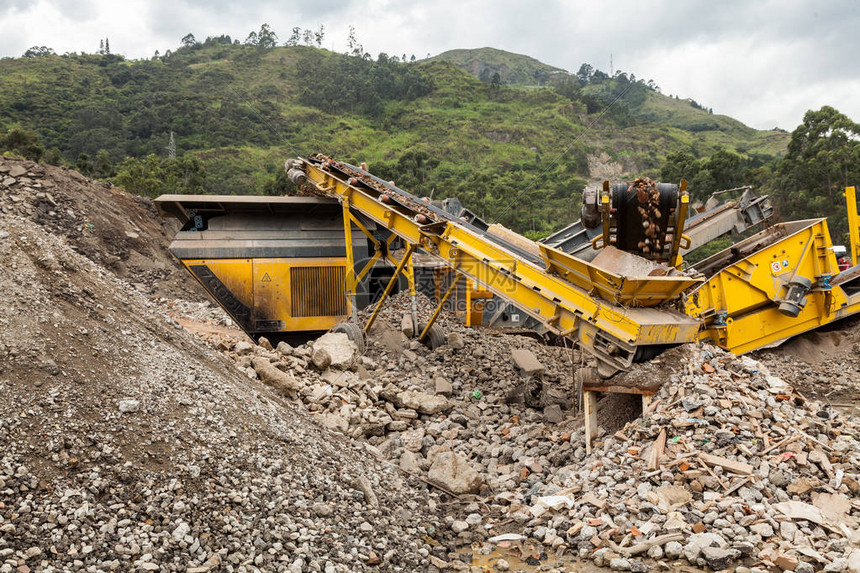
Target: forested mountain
(517, 154)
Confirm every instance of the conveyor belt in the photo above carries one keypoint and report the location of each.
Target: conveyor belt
(601, 310)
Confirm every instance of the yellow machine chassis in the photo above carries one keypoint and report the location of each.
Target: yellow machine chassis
(276, 291)
(740, 305)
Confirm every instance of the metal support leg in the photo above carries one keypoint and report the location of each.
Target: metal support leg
(410, 276)
(590, 399)
(350, 263)
(853, 230)
(439, 308)
(675, 258)
(469, 285)
(406, 257)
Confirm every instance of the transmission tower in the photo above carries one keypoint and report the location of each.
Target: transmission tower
(171, 147)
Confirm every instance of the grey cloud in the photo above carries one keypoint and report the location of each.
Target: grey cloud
(9, 6)
(74, 9)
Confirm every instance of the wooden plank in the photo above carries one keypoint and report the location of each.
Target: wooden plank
(620, 389)
(657, 449)
(590, 406)
(733, 466)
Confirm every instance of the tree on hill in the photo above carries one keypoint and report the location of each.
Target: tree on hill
(266, 37)
(354, 47)
(24, 142)
(103, 167)
(823, 158)
(84, 164)
(39, 51)
(823, 152)
(189, 41)
(153, 176)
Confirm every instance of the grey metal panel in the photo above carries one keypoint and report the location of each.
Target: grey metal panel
(179, 205)
(260, 227)
(216, 245)
(573, 239)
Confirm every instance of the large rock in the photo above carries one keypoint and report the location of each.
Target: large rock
(423, 402)
(243, 347)
(455, 341)
(854, 561)
(413, 440)
(527, 362)
(17, 171)
(273, 377)
(410, 462)
(129, 406)
(553, 414)
(443, 387)
(718, 558)
(340, 349)
(699, 541)
(334, 421)
(454, 473)
(321, 359)
(406, 326)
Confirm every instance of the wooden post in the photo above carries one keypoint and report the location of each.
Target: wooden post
(590, 399)
(646, 401)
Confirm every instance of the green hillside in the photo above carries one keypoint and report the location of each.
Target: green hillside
(516, 155)
(484, 63)
(638, 99)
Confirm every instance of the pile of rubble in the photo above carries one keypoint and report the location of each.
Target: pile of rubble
(115, 229)
(727, 468)
(127, 444)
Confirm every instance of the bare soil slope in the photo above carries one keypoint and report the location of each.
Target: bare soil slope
(120, 231)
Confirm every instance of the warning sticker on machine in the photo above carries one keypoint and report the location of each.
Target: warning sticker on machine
(775, 266)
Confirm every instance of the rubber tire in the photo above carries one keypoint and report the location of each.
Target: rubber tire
(354, 333)
(435, 336)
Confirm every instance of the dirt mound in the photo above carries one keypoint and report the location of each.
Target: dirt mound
(117, 230)
(823, 363)
(817, 347)
(127, 444)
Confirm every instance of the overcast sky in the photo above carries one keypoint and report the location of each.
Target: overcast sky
(763, 62)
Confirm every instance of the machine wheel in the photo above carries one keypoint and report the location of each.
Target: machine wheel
(354, 333)
(435, 336)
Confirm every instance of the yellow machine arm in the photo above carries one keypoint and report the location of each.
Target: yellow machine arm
(610, 315)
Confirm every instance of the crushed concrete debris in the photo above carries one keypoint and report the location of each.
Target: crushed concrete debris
(742, 463)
